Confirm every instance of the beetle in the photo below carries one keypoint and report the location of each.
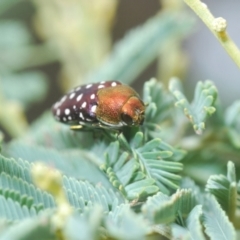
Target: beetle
(107, 104)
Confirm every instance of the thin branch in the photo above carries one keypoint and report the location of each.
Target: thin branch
(217, 26)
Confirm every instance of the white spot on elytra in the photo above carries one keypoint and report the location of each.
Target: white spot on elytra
(64, 119)
(74, 107)
(102, 82)
(79, 97)
(67, 111)
(92, 96)
(93, 108)
(114, 84)
(81, 115)
(101, 86)
(84, 105)
(63, 99)
(89, 85)
(72, 96)
(78, 88)
(89, 120)
(56, 105)
(69, 118)
(58, 112)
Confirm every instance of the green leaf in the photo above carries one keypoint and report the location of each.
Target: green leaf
(177, 154)
(13, 168)
(216, 222)
(159, 108)
(12, 210)
(151, 161)
(194, 224)
(128, 178)
(202, 105)
(28, 57)
(188, 183)
(75, 163)
(179, 232)
(163, 230)
(225, 191)
(113, 151)
(141, 189)
(137, 140)
(46, 132)
(218, 185)
(23, 200)
(231, 172)
(80, 194)
(14, 33)
(84, 227)
(186, 201)
(33, 228)
(124, 224)
(125, 174)
(24, 188)
(141, 46)
(232, 116)
(35, 87)
(151, 145)
(128, 170)
(16, 48)
(161, 208)
(145, 165)
(16, 183)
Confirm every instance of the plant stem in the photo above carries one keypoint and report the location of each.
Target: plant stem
(217, 27)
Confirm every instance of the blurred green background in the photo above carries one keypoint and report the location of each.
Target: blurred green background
(47, 47)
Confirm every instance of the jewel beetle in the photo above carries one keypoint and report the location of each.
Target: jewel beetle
(107, 104)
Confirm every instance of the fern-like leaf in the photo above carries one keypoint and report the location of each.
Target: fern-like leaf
(161, 208)
(232, 121)
(152, 162)
(24, 188)
(13, 168)
(81, 194)
(160, 104)
(125, 174)
(142, 172)
(46, 132)
(202, 105)
(141, 46)
(36, 228)
(86, 226)
(224, 188)
(194, 224)
(216, 222)
(13, 211)
(23, 200)
(75, 163)
(124, 224)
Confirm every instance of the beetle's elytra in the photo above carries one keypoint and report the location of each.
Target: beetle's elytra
(108, 104)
